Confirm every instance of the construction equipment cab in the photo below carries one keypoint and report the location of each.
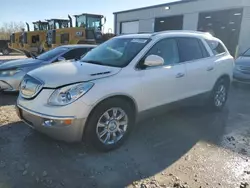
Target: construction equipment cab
(31, 42)
(87, 30)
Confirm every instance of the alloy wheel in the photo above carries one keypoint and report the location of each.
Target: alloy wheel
(112, 126)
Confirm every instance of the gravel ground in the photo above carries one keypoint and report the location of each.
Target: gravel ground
(189, 147)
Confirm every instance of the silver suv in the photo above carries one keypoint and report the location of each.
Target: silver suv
(100, 97)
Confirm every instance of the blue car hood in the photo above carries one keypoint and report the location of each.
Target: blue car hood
(20, 63)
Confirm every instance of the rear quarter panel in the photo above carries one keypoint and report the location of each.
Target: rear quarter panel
(224, 65)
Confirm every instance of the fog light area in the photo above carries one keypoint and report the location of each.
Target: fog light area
(51, 122)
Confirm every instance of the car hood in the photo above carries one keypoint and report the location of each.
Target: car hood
(243, 61)
(59, 74)
(20, 63)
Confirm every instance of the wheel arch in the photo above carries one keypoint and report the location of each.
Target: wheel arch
(225, 77)
(124, 97)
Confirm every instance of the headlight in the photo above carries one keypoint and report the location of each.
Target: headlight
(9, 72)
(66, 95)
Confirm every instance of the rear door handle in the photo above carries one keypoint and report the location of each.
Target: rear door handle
(180, 75)
(210, 68)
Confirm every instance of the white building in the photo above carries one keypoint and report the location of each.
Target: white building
(228, 20)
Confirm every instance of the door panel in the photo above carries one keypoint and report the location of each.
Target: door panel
(163, 85)
(199, 66)
(201, 76)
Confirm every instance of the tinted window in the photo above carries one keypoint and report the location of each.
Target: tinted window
(247, 53)
(167, 49)
(216, 47)
(116, 52)
(52, 53)
(189, 49)
(75, 53)
(203, 49)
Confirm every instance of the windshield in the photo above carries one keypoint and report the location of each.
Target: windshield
(81, 21)
(51, 54)
(36, 27)
(117, 52)
(94, 22)
(44, 27)
(51, 24)
(247, 53)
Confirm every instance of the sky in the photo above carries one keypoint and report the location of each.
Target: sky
(34, 10)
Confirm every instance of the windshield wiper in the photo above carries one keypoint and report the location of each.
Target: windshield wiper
(93, 62)
(33, 56)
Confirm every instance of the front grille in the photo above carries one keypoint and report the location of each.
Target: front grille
(30, 87)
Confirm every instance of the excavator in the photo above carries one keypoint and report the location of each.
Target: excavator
(30, 42)
(87, 30)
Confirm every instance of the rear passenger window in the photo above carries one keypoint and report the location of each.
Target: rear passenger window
(203, 49)
(189, 49)
(216, 47)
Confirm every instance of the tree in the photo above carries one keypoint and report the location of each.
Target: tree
(7, 28)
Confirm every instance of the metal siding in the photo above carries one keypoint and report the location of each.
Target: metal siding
(244, 41)
(184, 8)
(115, 21)
(190, 21)
(146, 26)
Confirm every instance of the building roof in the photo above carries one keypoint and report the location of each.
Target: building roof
(155, 6)
(87, 14)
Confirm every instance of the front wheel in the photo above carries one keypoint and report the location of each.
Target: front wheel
(219, 95)
(109, 124)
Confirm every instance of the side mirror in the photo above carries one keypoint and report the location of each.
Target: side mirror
(61, 59)
(153, 61)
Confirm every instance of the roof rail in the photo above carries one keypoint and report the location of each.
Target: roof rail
(181, 31)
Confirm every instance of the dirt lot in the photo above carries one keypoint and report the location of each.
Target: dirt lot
(189, 147)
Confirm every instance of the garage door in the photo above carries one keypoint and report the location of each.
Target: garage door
(130, 27)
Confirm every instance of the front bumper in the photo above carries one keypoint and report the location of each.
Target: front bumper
(11, 83)
(72, 132)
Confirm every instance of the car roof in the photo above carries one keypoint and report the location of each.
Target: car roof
(79, 46)
(173, 33)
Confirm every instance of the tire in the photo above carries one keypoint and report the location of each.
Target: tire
(6, 51)
(99, 126)
(219, 95)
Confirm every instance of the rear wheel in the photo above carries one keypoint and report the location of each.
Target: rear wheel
(109, 124)
(219, 94)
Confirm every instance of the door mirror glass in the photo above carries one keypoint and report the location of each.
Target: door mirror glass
(61, 59)
(153, 61)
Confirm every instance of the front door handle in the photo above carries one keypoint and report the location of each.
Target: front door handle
(210, 68)
(180, 75)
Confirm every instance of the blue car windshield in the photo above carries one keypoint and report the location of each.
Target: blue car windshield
(116, 52)
(247, 53)
(47, 56)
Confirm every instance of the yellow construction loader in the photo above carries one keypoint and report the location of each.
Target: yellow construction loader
(33, 41)
(87, 30)
(30, 42)
(15, 40)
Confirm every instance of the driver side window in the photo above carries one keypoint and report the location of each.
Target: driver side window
(167, 49)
